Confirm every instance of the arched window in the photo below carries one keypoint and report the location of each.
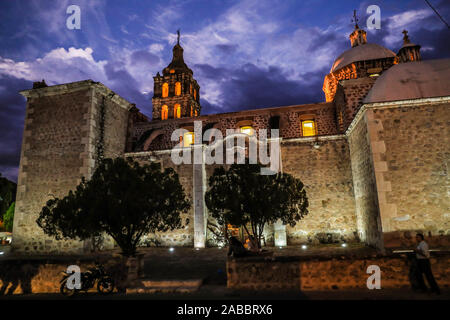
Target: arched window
(195, 94)
(177, 111)
(178, 88)
(188, 139)
(247, 130)
(165, 90)
(195, 112)
(308, 128)
(192, 111)
(190, 88)
(164, 112)
(172, 71)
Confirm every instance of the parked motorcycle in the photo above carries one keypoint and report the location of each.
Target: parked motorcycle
(97, 274)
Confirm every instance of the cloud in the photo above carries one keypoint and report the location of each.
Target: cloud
(12, 116)
(250, 86)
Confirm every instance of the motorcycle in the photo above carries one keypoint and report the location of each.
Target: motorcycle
(97, 274)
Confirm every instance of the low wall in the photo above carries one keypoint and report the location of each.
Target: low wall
(295, 273)
(43, 276)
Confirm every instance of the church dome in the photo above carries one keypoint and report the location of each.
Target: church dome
(412, 80)
(363, 52)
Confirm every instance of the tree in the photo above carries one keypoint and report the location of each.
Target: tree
(7, 194)
(241, 196)
(8, 217)
(123, 199)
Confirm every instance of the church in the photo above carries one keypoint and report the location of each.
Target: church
(374, 156)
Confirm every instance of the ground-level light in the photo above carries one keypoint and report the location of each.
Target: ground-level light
(304, 247)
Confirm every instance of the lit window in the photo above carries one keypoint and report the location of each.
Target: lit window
(190, 88)
(247, 130)
(164, 112)
(195, 94)
(178, 89)
(192, 111)
(172, 71)
(188, 139)
(308, 128)
(195, 113)
(177, 111)
(165, 90)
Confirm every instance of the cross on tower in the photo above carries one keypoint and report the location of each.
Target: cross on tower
(405, 37)
(178, 33)
(355, 19)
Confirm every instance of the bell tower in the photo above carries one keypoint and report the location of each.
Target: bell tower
(409, 51)
(176, 94)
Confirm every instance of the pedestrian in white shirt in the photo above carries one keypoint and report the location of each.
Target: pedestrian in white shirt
(424, 267)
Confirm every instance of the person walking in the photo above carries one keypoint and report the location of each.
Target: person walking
(424, 266)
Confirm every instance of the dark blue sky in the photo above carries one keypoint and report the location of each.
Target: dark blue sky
(244, 54)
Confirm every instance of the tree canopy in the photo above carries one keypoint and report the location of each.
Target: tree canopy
(7, 194)
(241, 196)
(8, 217)
(122, 199)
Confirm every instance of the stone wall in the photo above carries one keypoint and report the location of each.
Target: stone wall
(156, 135)
(61, 136)
(365, 191)
(43, 276)
(326, 174)
(294, 273)
(416, 153)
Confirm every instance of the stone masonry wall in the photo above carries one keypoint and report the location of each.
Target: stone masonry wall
(326, 174)
(55, 137)
(62, 130)
(416, 149)
(309, 274)
(364, 184)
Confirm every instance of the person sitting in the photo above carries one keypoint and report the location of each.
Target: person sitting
(236, 248)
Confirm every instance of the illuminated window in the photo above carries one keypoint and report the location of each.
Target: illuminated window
(172, 71)
(190, 88)
(192, 111)
(247, 130)
(165, 90)
(178, 89)
(195, 94)
(188, 139)
(309, 128)
(177, 111)
(164, 112)
(195, 112)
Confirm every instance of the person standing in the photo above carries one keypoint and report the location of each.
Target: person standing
(424, 266)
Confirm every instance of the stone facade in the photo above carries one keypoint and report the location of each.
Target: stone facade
(64, 128)
(373, 172)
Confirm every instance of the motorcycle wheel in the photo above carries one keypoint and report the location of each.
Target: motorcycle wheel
(105, 285)
(66, 291)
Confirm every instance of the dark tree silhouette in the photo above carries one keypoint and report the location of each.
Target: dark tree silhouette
(241, 196)
(122, 199)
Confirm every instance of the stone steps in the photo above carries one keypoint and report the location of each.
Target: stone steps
(165, 286)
